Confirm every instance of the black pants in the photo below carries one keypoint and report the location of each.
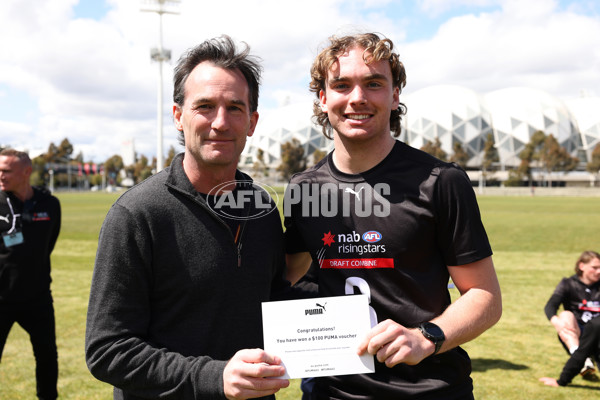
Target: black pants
(38, 321)
(307, 385)
(589, 346)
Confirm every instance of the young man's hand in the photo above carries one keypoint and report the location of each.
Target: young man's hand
(393, 344)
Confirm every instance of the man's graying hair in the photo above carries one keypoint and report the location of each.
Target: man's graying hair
(223, 53)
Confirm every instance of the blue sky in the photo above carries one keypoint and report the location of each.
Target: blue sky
(82, 70)
(93, 9)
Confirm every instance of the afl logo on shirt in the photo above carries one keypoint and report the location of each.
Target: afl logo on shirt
(371, 236)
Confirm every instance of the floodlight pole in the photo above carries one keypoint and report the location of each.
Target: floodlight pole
(159, 115)
(159, 54)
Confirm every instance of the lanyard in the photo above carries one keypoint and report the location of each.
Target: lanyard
(14, 216)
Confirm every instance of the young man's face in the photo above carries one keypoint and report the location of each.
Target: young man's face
(14, 175)
(358, 97)
(215, 117)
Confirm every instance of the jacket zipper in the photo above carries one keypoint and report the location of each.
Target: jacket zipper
(237, 240)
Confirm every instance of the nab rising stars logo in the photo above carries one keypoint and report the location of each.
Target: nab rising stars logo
(41, 216)
(347, 243)
(369, 237)
(354, 250)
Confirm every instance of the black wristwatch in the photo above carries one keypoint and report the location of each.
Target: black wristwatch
(433, 333)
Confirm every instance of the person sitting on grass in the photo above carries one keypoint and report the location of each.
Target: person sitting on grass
(580, 297)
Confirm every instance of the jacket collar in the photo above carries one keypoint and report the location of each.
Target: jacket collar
(179, 180)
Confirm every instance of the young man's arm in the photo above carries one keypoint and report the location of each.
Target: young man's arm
(478, 308)
(297, 265)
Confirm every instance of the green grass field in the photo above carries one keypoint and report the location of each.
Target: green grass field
(535, 240)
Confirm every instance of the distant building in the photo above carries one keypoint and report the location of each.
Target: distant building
(586, 111)
(519, 112)
(275, 127)
(452, 114)
(128, 152)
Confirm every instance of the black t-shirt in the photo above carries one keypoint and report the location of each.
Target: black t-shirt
(390, 233)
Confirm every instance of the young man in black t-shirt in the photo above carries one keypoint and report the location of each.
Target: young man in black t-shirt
(380, 218)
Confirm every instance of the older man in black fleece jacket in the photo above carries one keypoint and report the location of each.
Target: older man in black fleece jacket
(175, 303)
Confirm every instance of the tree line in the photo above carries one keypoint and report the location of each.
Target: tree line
(58, 167)
(542, 153)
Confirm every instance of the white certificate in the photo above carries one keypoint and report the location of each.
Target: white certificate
(319, 336)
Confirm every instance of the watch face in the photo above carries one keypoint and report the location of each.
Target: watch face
(434, 330)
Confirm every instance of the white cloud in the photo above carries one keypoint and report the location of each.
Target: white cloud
(437, 7)
(539, 47)
(92, 81)
(15, 128)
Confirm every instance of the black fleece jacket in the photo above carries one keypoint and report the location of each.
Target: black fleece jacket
(169, 304)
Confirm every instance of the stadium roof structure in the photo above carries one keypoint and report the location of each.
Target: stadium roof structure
(586, 111)
(518, 112)
(281, 125)
(451, 114)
